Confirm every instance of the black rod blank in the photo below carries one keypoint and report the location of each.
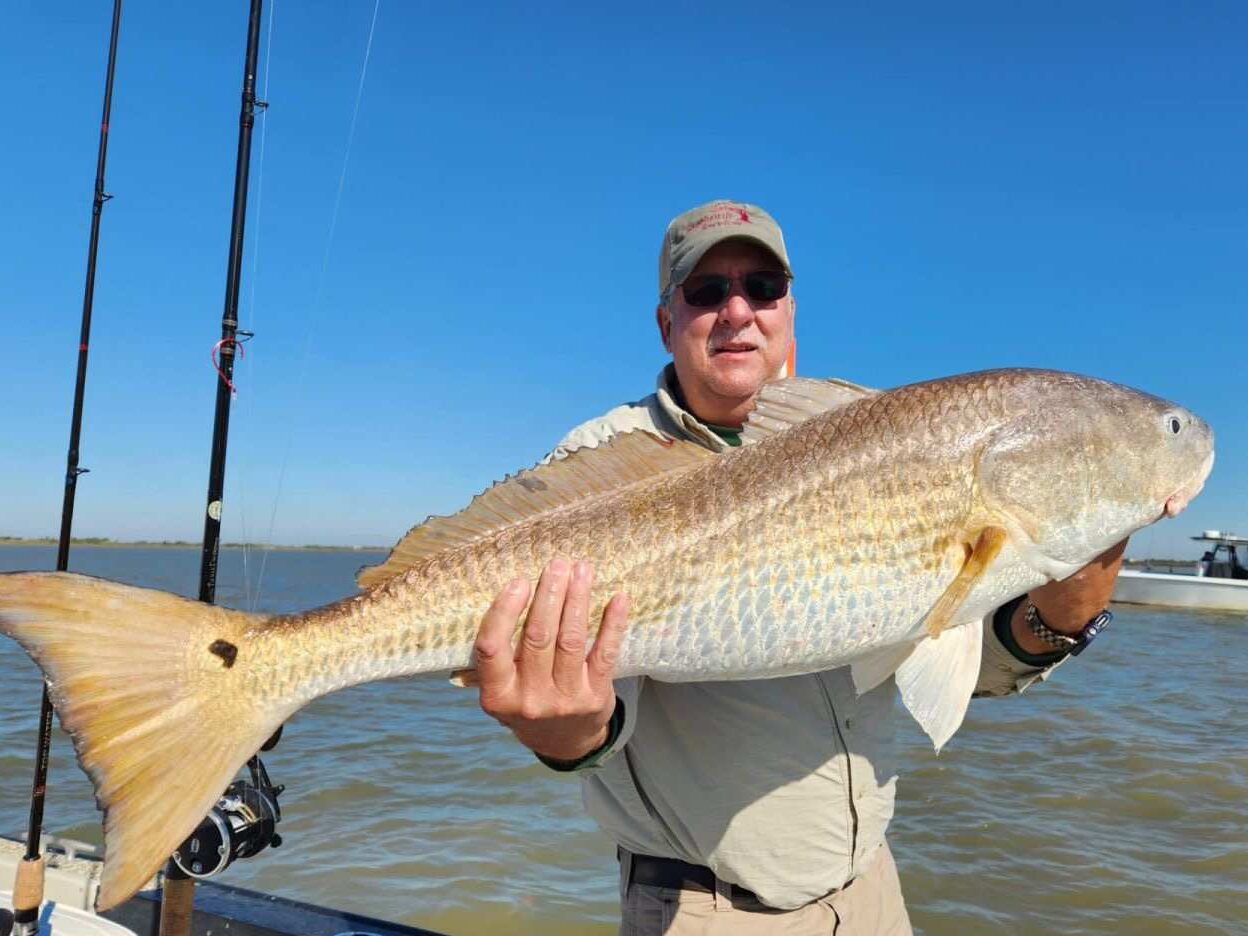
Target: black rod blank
(229, 317)
(178, 893)
(72, 471)
(28, 915)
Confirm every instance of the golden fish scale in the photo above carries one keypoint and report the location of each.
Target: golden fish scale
(820, 545)
(854, 517)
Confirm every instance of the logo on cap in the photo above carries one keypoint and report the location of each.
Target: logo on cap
(719, 214)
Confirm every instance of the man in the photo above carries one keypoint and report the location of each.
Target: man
(746, 806)
(1205, 564)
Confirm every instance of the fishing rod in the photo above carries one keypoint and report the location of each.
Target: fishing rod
(244, 819)
(28, 886)
(229, 343)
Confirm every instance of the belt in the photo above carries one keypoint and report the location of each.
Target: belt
(680, 875)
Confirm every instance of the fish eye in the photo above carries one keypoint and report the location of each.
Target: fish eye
(1174, 424)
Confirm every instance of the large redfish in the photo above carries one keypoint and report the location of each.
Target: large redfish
(871, 529)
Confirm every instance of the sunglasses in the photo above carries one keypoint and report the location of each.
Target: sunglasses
(708, 290)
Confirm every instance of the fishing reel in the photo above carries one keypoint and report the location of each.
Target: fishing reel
(241, 825)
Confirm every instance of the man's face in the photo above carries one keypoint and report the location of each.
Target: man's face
(724, 354)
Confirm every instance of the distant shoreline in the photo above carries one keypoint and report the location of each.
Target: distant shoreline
(178, 544)
(183, 544)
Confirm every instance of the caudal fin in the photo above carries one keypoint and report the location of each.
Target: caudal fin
(153, 690)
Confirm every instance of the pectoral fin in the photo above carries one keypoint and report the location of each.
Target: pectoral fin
(937, 679)
(986, 549)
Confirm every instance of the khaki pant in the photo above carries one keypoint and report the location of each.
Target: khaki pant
(871, 905)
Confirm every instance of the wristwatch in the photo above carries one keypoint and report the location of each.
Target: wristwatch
(1074, 644)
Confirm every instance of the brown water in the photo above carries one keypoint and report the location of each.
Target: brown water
(1110, 800)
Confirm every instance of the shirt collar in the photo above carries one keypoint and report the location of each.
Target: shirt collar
(668, 393)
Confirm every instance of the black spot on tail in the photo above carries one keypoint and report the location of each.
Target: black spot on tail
(225, 650)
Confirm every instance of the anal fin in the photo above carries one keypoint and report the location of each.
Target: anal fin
(987, 547)
(938, 678)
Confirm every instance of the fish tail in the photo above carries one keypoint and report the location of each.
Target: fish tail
(153, 690)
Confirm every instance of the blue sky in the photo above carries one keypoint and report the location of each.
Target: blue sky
(962, 186)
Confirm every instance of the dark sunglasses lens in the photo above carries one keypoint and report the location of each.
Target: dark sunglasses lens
(766, 285)
(706, 291)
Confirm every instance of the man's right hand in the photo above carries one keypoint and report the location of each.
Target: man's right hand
(555, 698)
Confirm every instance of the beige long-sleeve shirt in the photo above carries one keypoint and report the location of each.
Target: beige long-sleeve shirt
(783, 786)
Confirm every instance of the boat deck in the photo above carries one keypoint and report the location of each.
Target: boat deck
(72, 878)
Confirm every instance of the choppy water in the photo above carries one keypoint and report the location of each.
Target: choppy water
(1111, 800)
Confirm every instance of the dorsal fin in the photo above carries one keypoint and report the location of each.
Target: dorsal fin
(783, 404)
(584, 473)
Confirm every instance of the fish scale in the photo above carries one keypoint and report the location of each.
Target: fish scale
(705, 586)
(853, 528)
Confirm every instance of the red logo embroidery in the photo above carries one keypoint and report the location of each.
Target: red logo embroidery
(720, 214)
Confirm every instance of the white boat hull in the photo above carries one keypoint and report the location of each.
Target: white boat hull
(69, 887)
(1181, 591)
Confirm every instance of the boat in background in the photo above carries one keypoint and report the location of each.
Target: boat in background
(1216, 582)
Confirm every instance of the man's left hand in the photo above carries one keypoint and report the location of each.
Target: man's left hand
(1068, 605)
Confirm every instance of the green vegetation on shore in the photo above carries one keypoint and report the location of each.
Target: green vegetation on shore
(173, 544)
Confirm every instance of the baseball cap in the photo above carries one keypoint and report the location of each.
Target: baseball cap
(690, 235)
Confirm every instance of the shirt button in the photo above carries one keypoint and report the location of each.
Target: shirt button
(849, 724)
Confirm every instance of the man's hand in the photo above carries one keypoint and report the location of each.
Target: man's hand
(1068, 605)
(555, 699)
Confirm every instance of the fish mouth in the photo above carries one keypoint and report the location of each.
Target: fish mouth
(1177, 501)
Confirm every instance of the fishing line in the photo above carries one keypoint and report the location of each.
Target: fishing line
(237, 344)
(301, 380)
(251, 600)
